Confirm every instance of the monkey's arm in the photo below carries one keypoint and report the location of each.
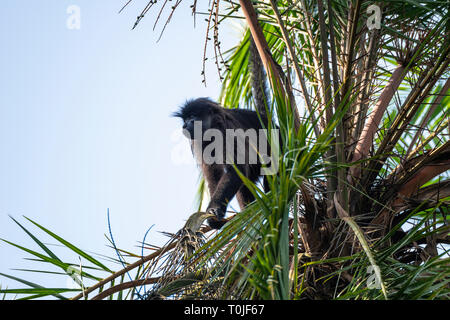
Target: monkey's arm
(227, 187)
(212, 175)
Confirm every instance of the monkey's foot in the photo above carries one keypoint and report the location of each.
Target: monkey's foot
(216, 222)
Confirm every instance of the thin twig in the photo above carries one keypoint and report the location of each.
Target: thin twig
(124, 286)
(126, 269)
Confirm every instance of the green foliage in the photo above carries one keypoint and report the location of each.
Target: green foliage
(339, 221)
(50, 257)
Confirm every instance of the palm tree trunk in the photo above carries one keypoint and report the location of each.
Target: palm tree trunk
(264, 52)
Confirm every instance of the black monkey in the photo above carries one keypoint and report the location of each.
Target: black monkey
(222, 179)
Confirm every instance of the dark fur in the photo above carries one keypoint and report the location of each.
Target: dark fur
(258, 79)
(222, 179)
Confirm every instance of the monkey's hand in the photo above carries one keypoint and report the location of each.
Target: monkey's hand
(216, 222)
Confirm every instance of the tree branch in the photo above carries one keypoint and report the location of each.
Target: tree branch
(365, 141)
(264, 51)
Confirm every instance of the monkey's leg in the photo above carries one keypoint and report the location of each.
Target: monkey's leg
(212, 174)
(266, 185)
(244, 197)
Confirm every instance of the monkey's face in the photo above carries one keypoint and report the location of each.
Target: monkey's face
(195, 126)
(198, 116)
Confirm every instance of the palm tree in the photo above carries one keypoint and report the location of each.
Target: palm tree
(360, 92)
(362, 189)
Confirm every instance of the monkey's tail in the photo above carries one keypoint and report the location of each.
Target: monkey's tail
(258, 80)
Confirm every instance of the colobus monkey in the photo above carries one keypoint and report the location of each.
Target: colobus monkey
(222, 179)
(224, 140)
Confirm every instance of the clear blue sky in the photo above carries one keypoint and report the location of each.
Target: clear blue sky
(85, 124)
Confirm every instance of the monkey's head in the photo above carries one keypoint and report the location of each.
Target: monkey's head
(198, 114)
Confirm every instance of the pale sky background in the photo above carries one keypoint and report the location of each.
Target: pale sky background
(85, 125)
